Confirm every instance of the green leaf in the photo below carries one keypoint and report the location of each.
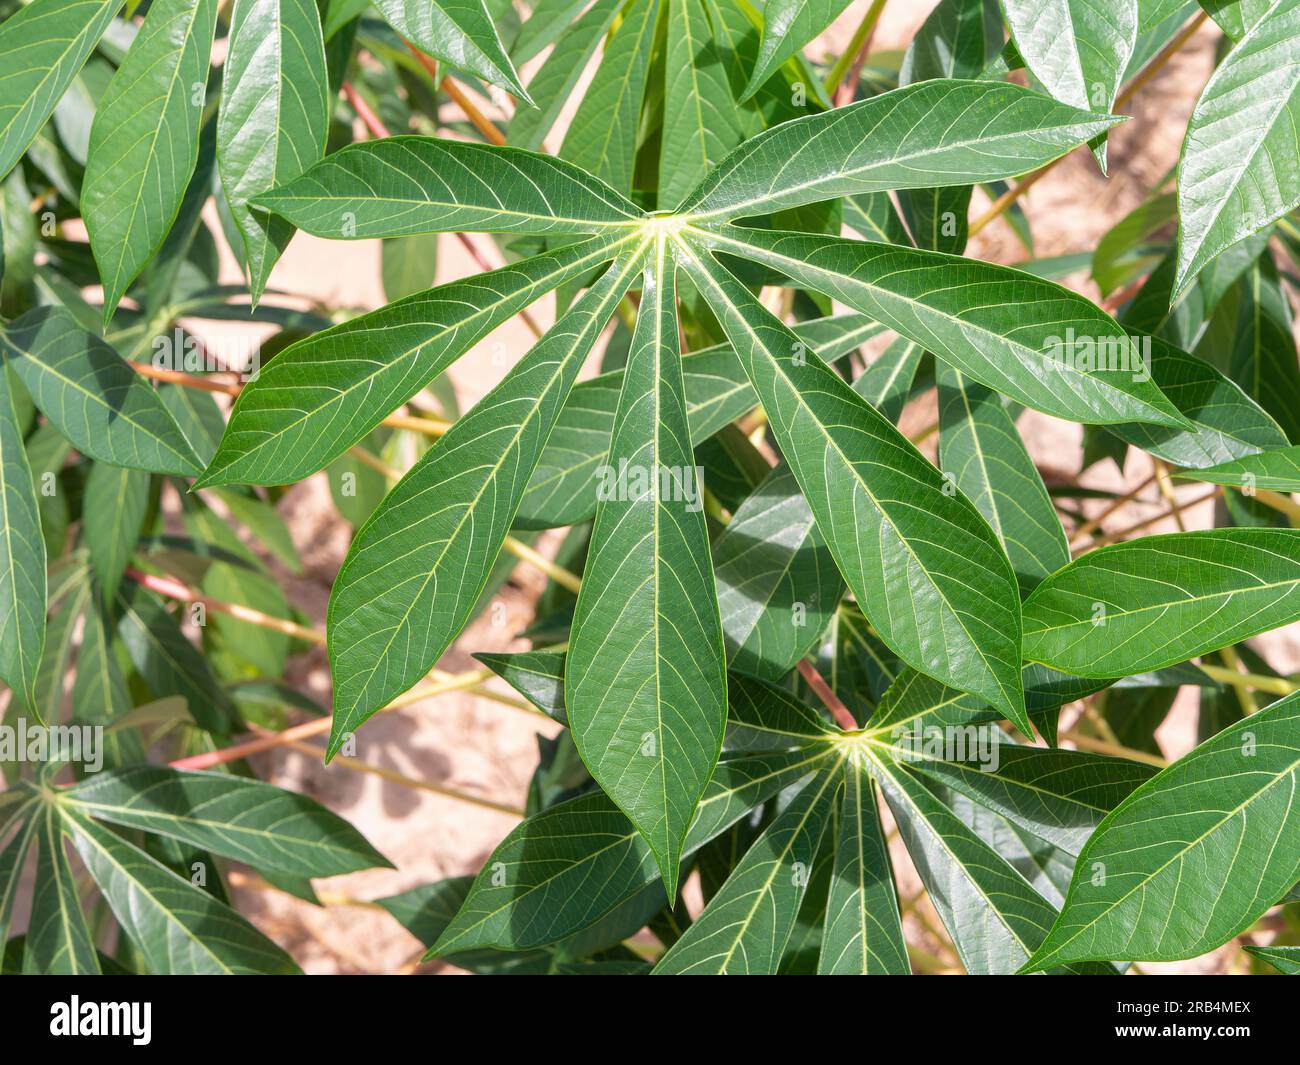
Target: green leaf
(701, 123)
(1283, 959)
(958, 309)
(534, 888)
(1160, 600)
(645, 685)
(1264, 360)
(177, 928)
(113, 513)
(982, 451)
(408, 265)
(42, 48)
(168, 662)
(1079, 52)
(274, 117)
(1235, 17)
(1233, 176)
(537, 675)
(994, 917)
(788, 25)
(416, 567)
(1195, 855)
(554, 82)
(256, 823)
(1059, 796)
(400, 186)
(26, 816)
(745, 927)
(943, 132)
(923, 564)
(322, 395)
(98, 402)
(460, 33)
(22, 559)
(863, 935)
(563, 487)
(1226, 423)
(1274, 471)
(602, 138)
(777, 584)
(144, 143)
(58, 941)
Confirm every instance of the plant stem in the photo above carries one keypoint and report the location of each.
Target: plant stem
(854, 55)
(829, 699)
(1086, 529)
(175, 590)
(1172, 512)
(1148, 72)
(1257, 681)
(427, 426)
(1091, 743)
(394, 777)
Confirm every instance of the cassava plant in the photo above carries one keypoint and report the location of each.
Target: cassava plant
(787, 643)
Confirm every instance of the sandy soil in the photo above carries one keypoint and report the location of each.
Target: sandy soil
(483, 748)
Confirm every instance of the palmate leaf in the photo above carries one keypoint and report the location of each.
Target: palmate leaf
(788, 25)
(535, 888)
(563, 487)
(645, 685)
(459, 32)
(42, 48)
(274, 117)
(264, 826)
(1004, 328)
(1275, 471)
(1078, 51)
(1160, 600)
(177, 928)
(416, 567)
(144, 143)
(1193, 856)
(99, 403)
(322, 395)
(22, 559)
(981, 449)
(25, 815)
(863, 934)
(924, 565)
(399, 186)
(745, 927)
(947, 132)
(1237, 172)
(58, 941)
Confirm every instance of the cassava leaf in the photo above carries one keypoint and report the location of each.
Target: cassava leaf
(416, 567)
(42, 48)
(1194, 855)
(944, 132)
(1235, 175)
(1160, 600)
(144, 143)
(58, 941)
(645, 682)
(264, 826)
(788, 25)
(274, 117)
(1276, 471)
(400, 186)
(924, 565)
(99, 403)
(459, 32)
